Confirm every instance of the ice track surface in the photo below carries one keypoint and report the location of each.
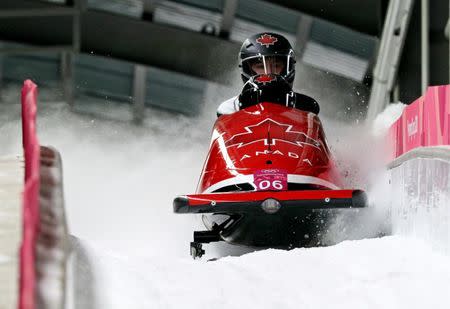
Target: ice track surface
(391, 272)
(132, 252)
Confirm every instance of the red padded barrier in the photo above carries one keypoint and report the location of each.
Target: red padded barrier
(446, 117)
(30, 197)
(434, 116)
(394, 134)
(425, 122)
(412, 125)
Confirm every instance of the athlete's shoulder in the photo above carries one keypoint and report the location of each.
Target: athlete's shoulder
(306, 103)
(228, 107)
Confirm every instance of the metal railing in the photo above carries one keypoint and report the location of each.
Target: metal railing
(391, 45)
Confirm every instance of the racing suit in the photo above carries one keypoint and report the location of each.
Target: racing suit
(303, 102)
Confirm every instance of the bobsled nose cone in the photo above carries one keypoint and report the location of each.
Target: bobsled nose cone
(181, 204)
(359, 199)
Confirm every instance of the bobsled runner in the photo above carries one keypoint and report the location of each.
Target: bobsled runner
(269, 179)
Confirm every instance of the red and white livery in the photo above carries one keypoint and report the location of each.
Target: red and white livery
(268, 169)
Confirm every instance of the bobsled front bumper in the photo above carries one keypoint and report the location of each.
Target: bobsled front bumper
(278, 201)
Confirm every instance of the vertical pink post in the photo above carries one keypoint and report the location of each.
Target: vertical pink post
(30, 197)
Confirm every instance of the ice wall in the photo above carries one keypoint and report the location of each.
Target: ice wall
(420, 169)
(421, 200)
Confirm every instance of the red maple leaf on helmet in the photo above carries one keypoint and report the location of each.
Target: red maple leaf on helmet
(265, 78)
(266, 40)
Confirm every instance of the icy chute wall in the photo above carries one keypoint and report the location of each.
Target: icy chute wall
(420, 169)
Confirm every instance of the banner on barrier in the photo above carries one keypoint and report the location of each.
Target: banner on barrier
(447, 118)
(425, 122)
(412, 125)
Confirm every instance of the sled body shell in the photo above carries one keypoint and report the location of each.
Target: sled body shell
(268, 136)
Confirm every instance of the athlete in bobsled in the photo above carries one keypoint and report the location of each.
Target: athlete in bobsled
(269, 179)
(263, 55)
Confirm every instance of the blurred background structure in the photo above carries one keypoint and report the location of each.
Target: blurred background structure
(165, 53)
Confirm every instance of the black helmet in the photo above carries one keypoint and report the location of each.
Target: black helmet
(272, 52)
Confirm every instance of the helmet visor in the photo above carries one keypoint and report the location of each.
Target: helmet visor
(272, 64)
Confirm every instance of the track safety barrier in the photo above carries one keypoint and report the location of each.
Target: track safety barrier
(45, 245)
(419, 169)
(30, 197)
(425, 122)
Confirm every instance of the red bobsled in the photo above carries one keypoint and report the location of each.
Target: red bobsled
(270, 171)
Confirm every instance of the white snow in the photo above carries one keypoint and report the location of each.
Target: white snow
(391, 272)
(386, 118)
(4, 259)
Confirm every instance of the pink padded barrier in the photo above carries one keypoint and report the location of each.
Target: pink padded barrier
(30, 197)
(425, 122)
(434, 113)
(447, 119)
(393, 135)
(412, 125)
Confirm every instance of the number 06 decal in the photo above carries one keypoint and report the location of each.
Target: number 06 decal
(273, 179)
(266, 184)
